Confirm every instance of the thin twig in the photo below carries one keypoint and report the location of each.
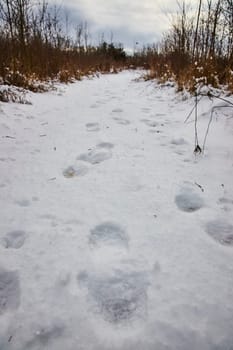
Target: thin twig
(210, 120)
(209, 94)
(10, 338)
(196, 134)
(207, 130)
(8, 137)
(52, 179)
(202, 189)
(192, 111)
(223, 99)
(198, 149)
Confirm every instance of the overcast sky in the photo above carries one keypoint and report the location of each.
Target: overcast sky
(131, 21)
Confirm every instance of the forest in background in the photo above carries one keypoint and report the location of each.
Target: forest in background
(35, 46)
(198, 48)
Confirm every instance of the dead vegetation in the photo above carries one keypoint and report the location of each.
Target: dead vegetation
(198, 48)
(35, 48)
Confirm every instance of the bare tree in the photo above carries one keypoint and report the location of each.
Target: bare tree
(197, 27)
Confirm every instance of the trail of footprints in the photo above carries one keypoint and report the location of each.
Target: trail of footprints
(9, 280)
(102, 152)
(119, 294)
(117, 112)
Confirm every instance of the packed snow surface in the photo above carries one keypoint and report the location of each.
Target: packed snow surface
(114, 234)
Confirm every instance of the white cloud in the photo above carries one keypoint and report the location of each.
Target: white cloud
(130, 21)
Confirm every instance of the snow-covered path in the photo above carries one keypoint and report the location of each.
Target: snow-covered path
(113, 234)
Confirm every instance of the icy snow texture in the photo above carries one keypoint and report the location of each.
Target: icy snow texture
(130, 245)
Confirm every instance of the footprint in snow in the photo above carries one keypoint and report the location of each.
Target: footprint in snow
(44, 334)
(48, 217)
(189, 200)
(224, 200)
(101, 102)
(226, 203)
(149, 122)
(92, 126)
(14, 239)
(72, 171)
(179, 152)
(95, 156)
(220, 231)
(179, 142)
(117, 110)
(9, 290)
(160, 114)
(108, 233)
(107, 145)
(23, 203)
(121, 121)
(153, 131)
(2, 159)
(63, 279)
(94, 105)
(145, 110)
(119, 296)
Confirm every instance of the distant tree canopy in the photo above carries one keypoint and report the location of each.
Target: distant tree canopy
(196, 48)
(34, 42)
(110, 50)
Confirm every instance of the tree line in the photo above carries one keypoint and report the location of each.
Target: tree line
(35, 45)
(197, 49)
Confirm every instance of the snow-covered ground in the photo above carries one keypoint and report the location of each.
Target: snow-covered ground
(114, 235)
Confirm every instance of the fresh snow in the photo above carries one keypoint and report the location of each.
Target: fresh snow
(114, 234)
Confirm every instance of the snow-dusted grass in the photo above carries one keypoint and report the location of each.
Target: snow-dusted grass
(114, 235)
